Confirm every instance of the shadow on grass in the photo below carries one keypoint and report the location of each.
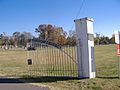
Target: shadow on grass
(45, 79)
(108, 77)
(28, 79)
(10, 80)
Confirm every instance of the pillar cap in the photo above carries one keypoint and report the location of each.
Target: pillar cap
(82, 19)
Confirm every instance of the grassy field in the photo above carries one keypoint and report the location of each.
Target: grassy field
(106, 72)
(46, 62)
(14, 62)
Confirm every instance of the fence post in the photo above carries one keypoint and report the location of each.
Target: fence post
(85, 47)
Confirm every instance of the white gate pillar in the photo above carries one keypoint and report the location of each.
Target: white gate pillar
(85, 47)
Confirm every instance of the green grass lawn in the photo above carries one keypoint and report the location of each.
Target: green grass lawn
(46, 62)
(106, 73)
(14, 63)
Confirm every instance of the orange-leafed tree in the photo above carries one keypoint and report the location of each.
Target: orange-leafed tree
(51, 33)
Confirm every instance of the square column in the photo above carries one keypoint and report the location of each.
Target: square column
(85, 47)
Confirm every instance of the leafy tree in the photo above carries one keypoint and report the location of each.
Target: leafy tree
(20, 39)
(0, 42)
(23, 38)
(45, 31)
(4, 40)
(71, 39)
(104, 40)
(1, 39)
(15, 38)
(112, 39)
(97, 41)
(51, 33)
(61, 40)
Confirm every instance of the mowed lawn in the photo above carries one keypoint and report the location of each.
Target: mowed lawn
(45, 62)
(13, 62)
(106, 73)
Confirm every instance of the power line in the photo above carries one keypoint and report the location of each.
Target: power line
(79, 11)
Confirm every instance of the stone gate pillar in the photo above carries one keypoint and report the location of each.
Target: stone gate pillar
(85, 47)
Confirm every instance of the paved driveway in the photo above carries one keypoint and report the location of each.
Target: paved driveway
(16, 84)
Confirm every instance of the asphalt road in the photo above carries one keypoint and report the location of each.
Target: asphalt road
(16, 84)
(21, 86)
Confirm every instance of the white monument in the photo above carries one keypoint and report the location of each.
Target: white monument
(85, 47)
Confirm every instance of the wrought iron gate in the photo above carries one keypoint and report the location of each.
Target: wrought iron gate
(49, 59)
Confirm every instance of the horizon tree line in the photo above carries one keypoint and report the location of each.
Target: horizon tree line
(51, 33)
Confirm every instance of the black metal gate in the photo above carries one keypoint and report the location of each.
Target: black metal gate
(41, 58)
(49, 59)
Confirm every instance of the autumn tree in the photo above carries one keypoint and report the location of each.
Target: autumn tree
(45, 31)
(51, 33)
